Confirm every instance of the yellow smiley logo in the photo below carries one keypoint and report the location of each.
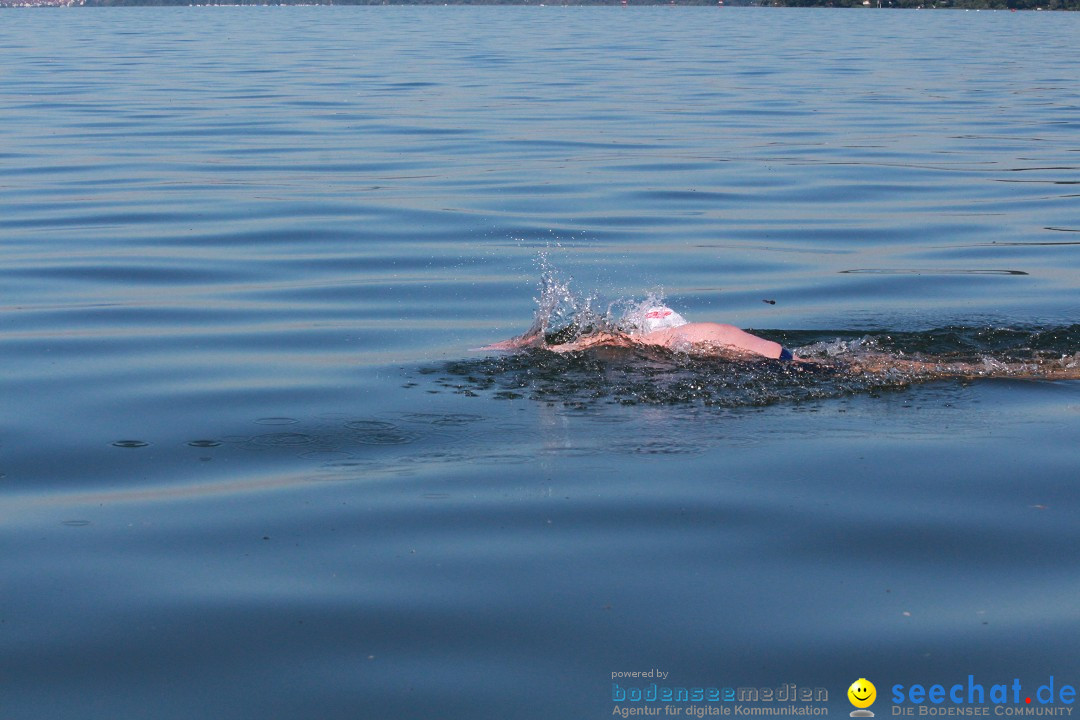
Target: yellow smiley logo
(862, 693)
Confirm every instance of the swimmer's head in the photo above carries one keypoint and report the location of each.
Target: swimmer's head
(660, 317)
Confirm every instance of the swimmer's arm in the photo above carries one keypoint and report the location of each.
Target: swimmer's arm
(601, 339)
(529, 340)
(722, 338)
(514, 343)
(750, 342)
(533, 337)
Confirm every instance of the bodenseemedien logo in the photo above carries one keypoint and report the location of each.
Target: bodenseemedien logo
(862, 695)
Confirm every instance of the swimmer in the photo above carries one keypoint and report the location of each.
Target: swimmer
(662, 327)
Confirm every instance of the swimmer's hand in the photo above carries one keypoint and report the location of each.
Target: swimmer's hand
(515, 343)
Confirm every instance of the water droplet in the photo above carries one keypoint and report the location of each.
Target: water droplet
(379, 432)
(282, 439)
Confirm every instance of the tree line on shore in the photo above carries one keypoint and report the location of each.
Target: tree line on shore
(920, 4)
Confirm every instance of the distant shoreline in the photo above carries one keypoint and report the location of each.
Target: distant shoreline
(1008, 5)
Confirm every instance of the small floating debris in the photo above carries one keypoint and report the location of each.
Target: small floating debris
(928, 271)
(130, 444)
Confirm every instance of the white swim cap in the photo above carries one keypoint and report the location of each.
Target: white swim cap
(659, 317)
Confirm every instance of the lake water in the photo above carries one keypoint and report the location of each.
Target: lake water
(250, 467)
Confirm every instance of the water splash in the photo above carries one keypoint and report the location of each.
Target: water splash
(563, 315)
(560, 311)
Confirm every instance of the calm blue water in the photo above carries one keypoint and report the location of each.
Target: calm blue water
(250, 467)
